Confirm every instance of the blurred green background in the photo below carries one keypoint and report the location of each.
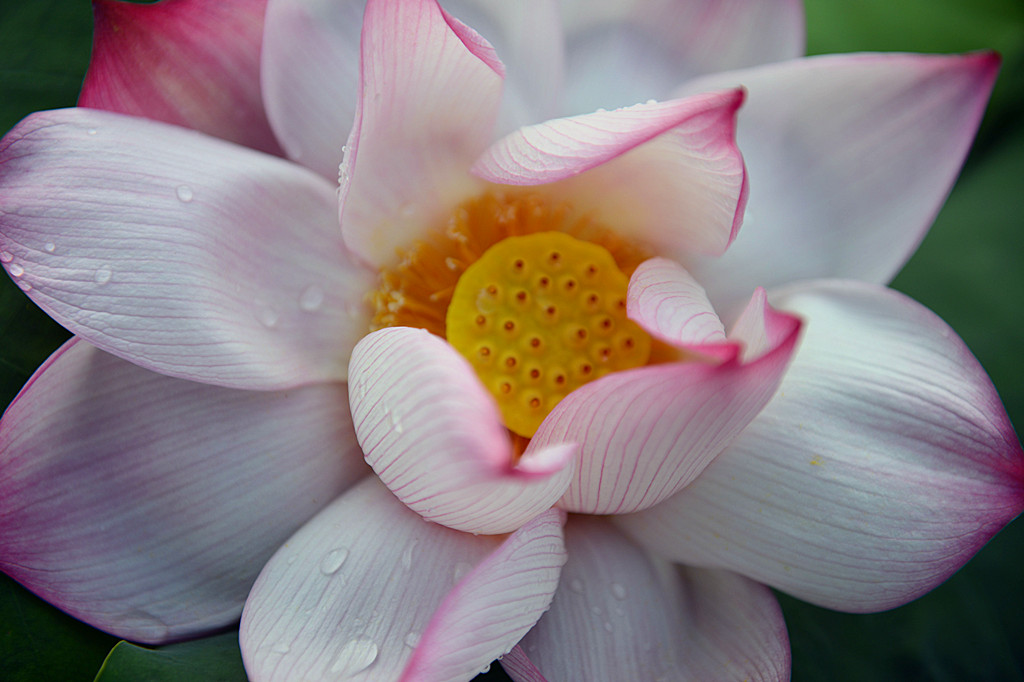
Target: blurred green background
(968, 270)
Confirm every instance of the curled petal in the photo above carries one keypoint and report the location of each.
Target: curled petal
(668, 174)
(622, 614)
(435, 437)
(146, 505)
(644, 434)
(850, 158)
(179, 252)
(428, 604)
(429, 93)
(620, 53)
(884, 462)
(188, 62)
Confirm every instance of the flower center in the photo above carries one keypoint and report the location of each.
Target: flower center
(539, 316)
(530, 292)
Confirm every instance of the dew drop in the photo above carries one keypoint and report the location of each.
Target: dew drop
(281, 648)
(24, 286)
(412, 639)
(268, 317)
(407, 556)
(333, 561)
(16, 270)
(461, 569)
(607, 626)
(90, 131)
(576, 585)
(355, 657)
(103, 274)
(49, 247)
(311, 298)
(6, 257)
(618, 591)
(484, 670)
(184, 193)
(652, 101)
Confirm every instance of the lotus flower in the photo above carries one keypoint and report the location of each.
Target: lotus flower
(608, 386)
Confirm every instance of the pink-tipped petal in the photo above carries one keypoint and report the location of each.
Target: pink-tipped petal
(528, 37)
(620, 53)
(884, 462)
(671, 305)
(622, 614)
(192, 63)
(850, 158)
(182, 253)
(435, 437)
(668, 174)
(310, 76)
(429, 93)
(644, 434)
(146, 505)
(369, 591)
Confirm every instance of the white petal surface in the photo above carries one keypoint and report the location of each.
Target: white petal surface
(184, 254)
(368, 590)
(667, 174)
(310, 77)
(621, 614)
(429, 93)
(146, 505)
(884, 462)
(620, 53)
(527, 36)
(435, 437)
(850, 158)
(646, 433)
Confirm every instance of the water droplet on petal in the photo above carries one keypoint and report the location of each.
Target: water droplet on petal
(461, 569)
(333, 561)
(91, 131)
(24, 286)
(6, 257)
(103, 274)
(355, 657)
(618, 591)
(184, 193)
(16, 270)
(268, 317)
(484, 670)
(311, 298)
(408, 210)
(412, 639)
(576, 585)
(49, 247)
(281, 648)
(407, 556)
(607, 626)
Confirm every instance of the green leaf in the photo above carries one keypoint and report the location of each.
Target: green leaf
(212, 659)
(39, 643)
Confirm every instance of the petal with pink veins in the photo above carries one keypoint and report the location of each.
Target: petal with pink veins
(850, 158)
(435, 437)
(620, 53)
(646, 433)
(146, 505)
(192, 63)
(310, 76)
(369, 590)
(623, 614)
(673, 307)
(885, 462)
(667, 174)
(429, 92)
(182, 253)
